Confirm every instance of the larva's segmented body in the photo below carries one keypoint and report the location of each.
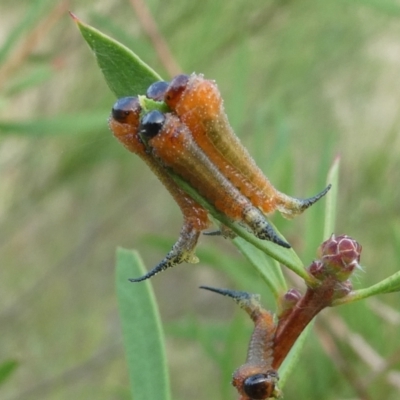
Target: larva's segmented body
(199, 104)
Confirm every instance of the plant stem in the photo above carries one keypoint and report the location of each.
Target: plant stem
(291, 326)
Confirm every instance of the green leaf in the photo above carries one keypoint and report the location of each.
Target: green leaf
(331, 199)
(142, 331)
(6, 369)
(269, 269)
(125, 73)
(293, 357)
(389, 285)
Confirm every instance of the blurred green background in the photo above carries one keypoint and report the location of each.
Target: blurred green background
(303, 82)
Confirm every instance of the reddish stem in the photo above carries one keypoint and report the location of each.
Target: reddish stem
(292, 325)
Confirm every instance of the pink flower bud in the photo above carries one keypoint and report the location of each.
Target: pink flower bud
(290, 298)
(317, 269)
(342, 289)
(340, 256)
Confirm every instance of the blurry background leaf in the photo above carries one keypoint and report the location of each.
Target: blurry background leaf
(59, 125)
(331, 199)
(32, 15)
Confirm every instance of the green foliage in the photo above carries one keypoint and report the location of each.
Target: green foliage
(125, 73)
(268, 267)
(59, 125)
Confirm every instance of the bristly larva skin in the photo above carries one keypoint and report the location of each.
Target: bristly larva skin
(198, 103)
(175, 148)
(124, 123)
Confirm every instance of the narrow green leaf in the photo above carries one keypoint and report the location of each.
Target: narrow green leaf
(58, 125)
(125, 73)
(389, 285)
(331, 199)
(269, 269)
(6, 369)
(142, 331)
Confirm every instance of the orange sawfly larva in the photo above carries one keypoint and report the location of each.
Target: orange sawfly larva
(198, 104)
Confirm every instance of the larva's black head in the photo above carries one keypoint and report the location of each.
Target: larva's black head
(260, 386)
(151, 124)
(124, 108)
(157, 90)
(175, 89)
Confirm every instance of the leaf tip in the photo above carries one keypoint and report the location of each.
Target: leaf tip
(337, 158)
(74, 17)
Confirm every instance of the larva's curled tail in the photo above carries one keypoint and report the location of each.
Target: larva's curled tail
(182, 251)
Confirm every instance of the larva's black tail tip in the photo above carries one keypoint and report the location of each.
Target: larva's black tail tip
(268, 233)
(141, 279)
(237, 295)
(281, 243)
(312, 200)
(325, 191)
(212, 289)
(150, 274)
(213, 233)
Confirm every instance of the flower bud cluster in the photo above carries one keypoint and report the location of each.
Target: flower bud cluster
(338, 257)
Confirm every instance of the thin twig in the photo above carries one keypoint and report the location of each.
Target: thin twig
(150, 27)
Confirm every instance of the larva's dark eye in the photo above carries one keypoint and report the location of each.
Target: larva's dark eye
(123, 108)
(157, 90)
(151, 124)
(259, 386)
